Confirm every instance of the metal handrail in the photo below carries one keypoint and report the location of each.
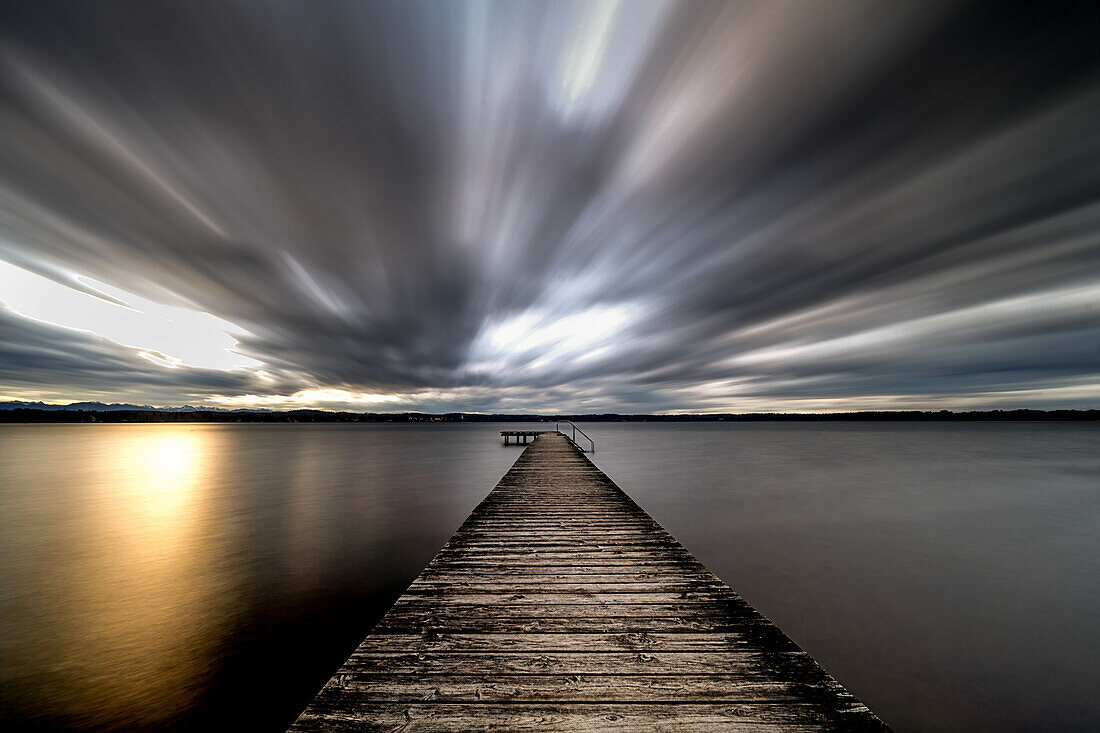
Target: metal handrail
(576, 430)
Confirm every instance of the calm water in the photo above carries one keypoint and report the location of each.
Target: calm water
(167, 576)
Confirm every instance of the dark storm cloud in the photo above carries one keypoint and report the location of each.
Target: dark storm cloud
(505, 206)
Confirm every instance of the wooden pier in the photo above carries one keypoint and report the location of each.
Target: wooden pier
(561, 605)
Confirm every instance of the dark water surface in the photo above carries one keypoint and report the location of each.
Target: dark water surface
(184, 576)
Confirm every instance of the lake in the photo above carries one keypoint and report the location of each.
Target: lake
(178, 576)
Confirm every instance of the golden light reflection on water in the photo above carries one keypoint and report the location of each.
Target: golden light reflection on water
(158, 479)
(134, 594)
(196, 577)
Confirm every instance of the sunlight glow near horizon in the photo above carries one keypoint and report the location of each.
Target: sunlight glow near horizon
(307, 398)
(168, 336)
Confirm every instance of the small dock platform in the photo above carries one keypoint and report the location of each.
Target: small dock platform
(559, 604)
(522, 435)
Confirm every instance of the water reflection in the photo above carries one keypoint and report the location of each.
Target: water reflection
(152, 595)
(194, 577)
(158, 475)
(131, 596)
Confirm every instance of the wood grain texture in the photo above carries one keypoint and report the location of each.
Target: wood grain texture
(560, 605)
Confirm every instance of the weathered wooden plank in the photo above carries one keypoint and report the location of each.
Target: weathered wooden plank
(605, 598)
(571, 540)
(553, 643)
(568, 541)
(559, 603)
(622, 583)
(346, 712)
(522, 577)
(510, 587)
(497, 527)
(697, 609)
(475, 662)
(571, 688)
(751, 686)
(584, 556)
(616, 515)
(430, 623)
(564, 567)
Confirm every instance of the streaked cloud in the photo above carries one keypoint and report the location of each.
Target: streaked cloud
(632, 206)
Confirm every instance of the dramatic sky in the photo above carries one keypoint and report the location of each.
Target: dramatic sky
(592, 206)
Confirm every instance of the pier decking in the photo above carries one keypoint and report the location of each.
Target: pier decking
(561, 605)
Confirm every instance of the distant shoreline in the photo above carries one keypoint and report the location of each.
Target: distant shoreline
(152, 415)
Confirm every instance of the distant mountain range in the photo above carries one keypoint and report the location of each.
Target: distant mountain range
(113, 407)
